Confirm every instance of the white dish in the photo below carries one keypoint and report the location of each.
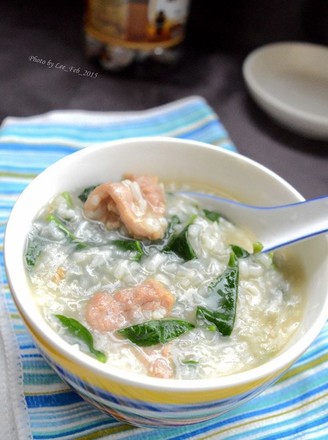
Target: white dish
(290, 82)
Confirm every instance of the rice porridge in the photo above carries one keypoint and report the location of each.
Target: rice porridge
(141, 277)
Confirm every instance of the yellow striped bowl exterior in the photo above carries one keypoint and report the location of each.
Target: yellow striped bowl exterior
(142, 406)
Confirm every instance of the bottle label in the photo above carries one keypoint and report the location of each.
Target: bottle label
(137, 24)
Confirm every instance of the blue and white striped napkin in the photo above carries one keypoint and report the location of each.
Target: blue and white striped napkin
(35, 404)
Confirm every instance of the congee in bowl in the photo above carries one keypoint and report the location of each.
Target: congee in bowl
(144, 279)
(151, 307)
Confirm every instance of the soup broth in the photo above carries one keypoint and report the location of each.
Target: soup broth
(193, 299)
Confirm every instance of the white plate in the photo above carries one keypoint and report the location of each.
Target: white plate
(290, 82)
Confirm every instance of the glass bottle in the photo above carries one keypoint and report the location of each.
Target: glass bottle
(119, 33)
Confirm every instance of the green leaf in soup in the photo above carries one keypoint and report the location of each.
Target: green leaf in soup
(179, 244)
(242, 253)
(75, 328)
(61, 226)
(68, 198)
(156, 331)
(85, 193)
(130, 245)
(239, 251)
(173, 222)
(257, 247)
(189, 362)
(160, 245)
(212, 215)
(221, 321)
(32, 253)
(67, 232)
(226, 288)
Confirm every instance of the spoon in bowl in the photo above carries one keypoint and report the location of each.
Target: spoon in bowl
(273, 226)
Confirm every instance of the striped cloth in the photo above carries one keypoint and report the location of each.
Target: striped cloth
(35, 404)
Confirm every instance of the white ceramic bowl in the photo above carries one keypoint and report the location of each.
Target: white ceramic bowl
(289, 81)
(146, 401)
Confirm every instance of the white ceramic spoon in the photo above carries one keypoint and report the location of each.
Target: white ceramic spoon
(273, 226)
